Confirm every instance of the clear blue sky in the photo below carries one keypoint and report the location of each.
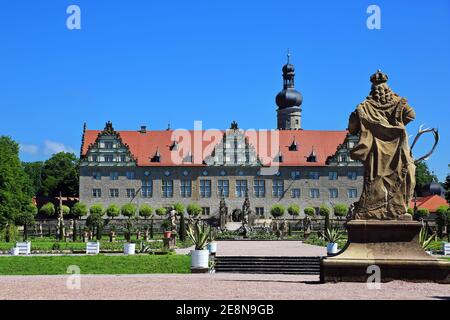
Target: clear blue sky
(154, 62)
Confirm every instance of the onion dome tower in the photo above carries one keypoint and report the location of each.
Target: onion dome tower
(289, 100)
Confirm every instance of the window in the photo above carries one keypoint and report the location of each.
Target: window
(295, 175)
(131, 193)
(130, 175)
(96, 193)
(352, 175)
(205, 188)
(343, 157)
(351, 144)
(108, 145)
(167, 188)
(352, 193)
(223, 187)
(241, 188)
(114, 193)
(185, 188)
(332, 175)
(114, 176)
(259, 211)
(95, 158)
(205, 211)
(314, 193)
(295, 193)
(109, 158)
(96, 175)
(260, 188)
(147, 188)
(333, 193)
(277, 188)
(314, 175)
(123, 158)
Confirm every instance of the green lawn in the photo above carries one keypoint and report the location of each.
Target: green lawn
(101, 264)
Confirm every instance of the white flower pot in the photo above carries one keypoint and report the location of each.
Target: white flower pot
(200, 259)
(129, 248)
(332, 248)
(212, 247)
(15, 251)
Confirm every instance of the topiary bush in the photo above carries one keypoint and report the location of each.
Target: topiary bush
(340, 210)
(193, 209)
(145, 211)
(423, 212)
(309, 211)
(128, 210)
(161, 211)
(48, 209)
(113, 211)
(277, 211)
(79, 209)
(96, 209)
(179, 208)
(293, 210)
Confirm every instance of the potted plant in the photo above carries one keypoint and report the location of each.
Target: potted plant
(199, 232)
(128, 210)
(129, 248)
(332, 236)
(167, 231)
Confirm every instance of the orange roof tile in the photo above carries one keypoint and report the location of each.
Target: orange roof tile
(267, 144)
(430, 202)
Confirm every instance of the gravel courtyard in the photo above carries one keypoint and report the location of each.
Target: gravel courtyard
(210, 286)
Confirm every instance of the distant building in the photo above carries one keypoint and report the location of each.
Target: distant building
(161, 167)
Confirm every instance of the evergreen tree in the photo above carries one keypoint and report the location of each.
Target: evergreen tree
(60, 174)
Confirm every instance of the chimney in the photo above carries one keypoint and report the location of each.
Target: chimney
(143, 129)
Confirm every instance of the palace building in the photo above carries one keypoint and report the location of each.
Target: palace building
(283, 166)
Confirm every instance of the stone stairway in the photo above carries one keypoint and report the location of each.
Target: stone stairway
(275, 265)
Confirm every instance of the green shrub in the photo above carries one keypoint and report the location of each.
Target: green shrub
(293, 210)
(79, 210)
(277, 211)
(113, 211)
(48, 209)
(65, 210)
(145, 211)
(96, 209)
(340, 210)
(179, 208)
(128, 210)
(193, 209)
(410, 211)
(423, 212)
(324, 211)
(309, 211)
(161, 211)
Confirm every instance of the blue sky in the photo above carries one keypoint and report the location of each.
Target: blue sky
(154, 62)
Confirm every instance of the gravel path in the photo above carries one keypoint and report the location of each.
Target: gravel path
(264, 248)
(210, 286)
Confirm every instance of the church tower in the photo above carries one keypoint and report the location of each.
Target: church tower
(289, 101)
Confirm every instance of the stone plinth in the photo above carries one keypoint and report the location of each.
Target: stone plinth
(393, 246)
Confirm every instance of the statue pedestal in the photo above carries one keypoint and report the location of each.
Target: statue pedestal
(393, 246)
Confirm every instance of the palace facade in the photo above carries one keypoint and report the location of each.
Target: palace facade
(283, 166)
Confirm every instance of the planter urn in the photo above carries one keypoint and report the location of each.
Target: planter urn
(199, 261)
(129, 248)
(332, 248)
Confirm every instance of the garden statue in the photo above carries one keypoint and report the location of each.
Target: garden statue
(380, 230)
(172, 219)
(223, 211)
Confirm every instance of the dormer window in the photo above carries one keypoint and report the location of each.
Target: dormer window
(156, 157)
(174, 146)
(312, 157)
(293, 146)
(279, 158)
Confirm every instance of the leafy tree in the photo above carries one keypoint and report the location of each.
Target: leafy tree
(145, 211)
(193, 209)
(325, 211)
(447, 188)
(309, 211)
(113, 211)
(293, 210)
(179, 208)
(183, 228)
(277, 211)
(26, 219)
(443, 220)
(34, 172)
(128, 210)
(423, 176)
(161, 211)
(95, 219)
(340, 210)
(65, 210)
(60, 174)
(48, 209)
(79, 210)
(15, 186)
(96, 209)
(423, 212)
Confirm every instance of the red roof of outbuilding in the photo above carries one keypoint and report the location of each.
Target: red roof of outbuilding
(267, 144)
(432, 203)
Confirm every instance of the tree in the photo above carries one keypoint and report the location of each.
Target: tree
(324, 211)
(60, 174)
(113, 211)
(145, 211)
(129, 210)
(26, 219)
(34, 172)
(443, 221)
(309, 211)
(15, 187)
(48, 209)
(95, 219)
(193, 209)
(423, 176)
(161, 211)
(447, 188)
(79, 210)
(277, 211)
(65, 210)
(294, 210)
(340, 210)
(179, 208)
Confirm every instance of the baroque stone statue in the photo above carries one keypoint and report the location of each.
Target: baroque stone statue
(383, 148)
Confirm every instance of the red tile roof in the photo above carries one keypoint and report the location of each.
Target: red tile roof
(431, 202)
(267, 144)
